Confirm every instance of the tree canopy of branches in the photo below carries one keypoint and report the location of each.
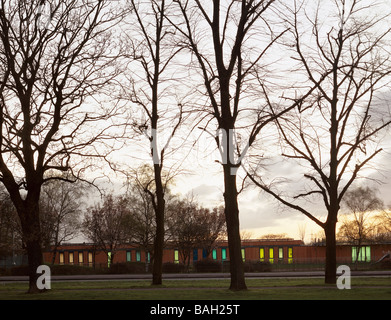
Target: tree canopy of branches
(192, 226)
(361, 207)
(106, 225)
(61, 206)
(335, 133)
(151, 88)
(221, 36)
(50, 66)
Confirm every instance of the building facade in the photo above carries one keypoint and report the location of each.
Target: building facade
(278, 251)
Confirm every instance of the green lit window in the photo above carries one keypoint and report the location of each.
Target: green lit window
(214, 254)
(138, 256)
(244, 254)
(148, 257)
(108, 259)
(364, 254)
(128, 256)
(223, 254)
(271, 255)
(262, 254)
(176, 256)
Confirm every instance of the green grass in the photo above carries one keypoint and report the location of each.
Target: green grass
(258, 289)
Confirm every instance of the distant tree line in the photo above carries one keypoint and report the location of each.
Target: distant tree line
(114, 221)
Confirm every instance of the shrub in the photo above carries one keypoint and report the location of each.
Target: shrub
(207, 265)
(67, 269)
(171, 267)
(127, 267)
(257, 266)
(19, 271)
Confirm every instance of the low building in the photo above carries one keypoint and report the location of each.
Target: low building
(273, 251)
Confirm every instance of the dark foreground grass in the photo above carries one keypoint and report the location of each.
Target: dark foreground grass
(258, 289)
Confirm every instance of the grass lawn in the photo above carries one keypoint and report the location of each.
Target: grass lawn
(258, 289)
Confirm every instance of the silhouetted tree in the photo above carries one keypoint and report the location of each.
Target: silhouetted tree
(106, 225)
(54, 55)
(152, 90)
(192, 227)
(61, 207)
(359, 225)
(229, 41)
(334, 134)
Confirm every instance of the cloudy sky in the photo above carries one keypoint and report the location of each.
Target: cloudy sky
(259, 213)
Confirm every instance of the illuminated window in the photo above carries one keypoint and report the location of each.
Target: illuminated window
(128, 256)
(271, 255)
(90, 259)
(262, 254)
(148, 257)
(70, 257)
(364, 254)
(244, 254)
(138, 256)
(214, 254)
(280, 254)
(80, 258)
(223, 254)
(61, 257)
(108, 259)
(176, 256)
(290, 255)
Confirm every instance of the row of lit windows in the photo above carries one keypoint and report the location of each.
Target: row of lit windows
(137, 257)
(262, 258)
(80, 257)
(362, 254)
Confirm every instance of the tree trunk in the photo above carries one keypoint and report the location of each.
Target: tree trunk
(30, 223)
(157, 269)
(233, 230)
(331, 254)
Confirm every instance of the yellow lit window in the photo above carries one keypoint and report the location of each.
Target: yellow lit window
(271, 255)
(290, 255)
(262, 254)
(61, 257)
(70, 257)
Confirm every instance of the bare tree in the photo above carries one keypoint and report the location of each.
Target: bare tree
(60, 212)
(335, 132)
(360, 204)
(54, 55)
(229, 41)
(152, 90)
(192, 226)
(106, 225)
(214, 227)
